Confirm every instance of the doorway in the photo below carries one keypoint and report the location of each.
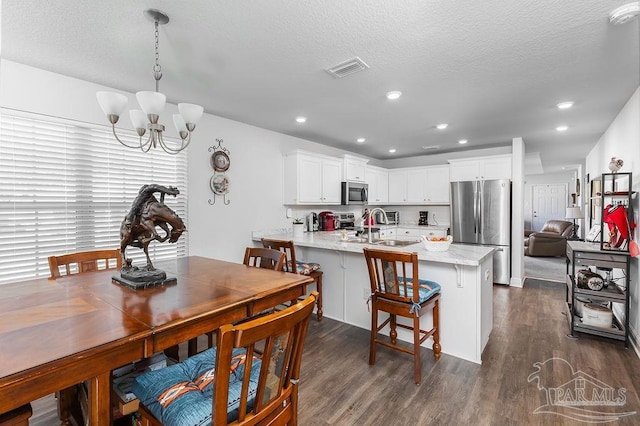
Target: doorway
(549, 201)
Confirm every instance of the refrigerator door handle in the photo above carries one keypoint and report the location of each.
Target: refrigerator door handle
(480, 195)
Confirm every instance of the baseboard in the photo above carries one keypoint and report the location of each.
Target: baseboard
(516, 282)
(635, 341)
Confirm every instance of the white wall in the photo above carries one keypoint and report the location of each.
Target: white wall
(622, 140)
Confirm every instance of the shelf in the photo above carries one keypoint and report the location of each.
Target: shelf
(617, 330)
(612, 293)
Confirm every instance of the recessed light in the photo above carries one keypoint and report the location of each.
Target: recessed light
(393, 95)
(625, 13)
(392, 150)
(442, 126)
(301, 119)
(360, 140)
(462, 141)
(565, 105)
(562, 128)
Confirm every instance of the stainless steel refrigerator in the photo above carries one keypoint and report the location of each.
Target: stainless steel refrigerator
(481, 214)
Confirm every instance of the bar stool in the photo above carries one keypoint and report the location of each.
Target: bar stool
(291, 264)
(17, 417)
(393, 276)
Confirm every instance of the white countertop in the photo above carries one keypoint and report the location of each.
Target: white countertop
(458, 254)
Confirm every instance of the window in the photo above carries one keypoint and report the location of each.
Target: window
(66, 187)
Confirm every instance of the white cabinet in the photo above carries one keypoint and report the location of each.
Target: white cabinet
(438, 185)
(378, 180)
(388, 233)
(397, 186)
(354, 169)
(481, 168)
(419, 232)
(419, 185)
(311, 179)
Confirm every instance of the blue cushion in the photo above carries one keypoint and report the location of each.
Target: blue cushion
(182, 393)
(426, 288)
(303, 268)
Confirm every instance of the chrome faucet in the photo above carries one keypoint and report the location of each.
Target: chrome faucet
(369, 220)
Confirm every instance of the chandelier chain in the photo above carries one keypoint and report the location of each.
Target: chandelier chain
(157, 69)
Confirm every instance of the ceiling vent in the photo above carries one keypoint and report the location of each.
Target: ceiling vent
(346, 68)
(431, 147)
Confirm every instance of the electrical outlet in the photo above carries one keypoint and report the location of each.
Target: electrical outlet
(366, 293)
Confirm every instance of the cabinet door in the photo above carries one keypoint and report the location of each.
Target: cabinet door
(495, 168)
(398, 186)
(417, 185)
(331, 178)
(378, 181)
(310, 179)
(438, 184)
(464, 170)
(355, 170)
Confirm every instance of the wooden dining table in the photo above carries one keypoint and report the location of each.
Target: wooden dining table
(56, 333)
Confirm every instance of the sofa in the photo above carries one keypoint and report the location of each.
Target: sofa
(550, 241)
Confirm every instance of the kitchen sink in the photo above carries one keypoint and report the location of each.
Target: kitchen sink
(378, 242)
(397, 243)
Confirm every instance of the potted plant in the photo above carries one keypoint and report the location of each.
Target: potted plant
(298, 227)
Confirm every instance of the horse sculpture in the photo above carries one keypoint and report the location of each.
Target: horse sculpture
(138, 228)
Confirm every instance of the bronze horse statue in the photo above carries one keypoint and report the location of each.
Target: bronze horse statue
(138, 228)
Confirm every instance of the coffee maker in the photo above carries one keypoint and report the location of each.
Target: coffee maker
(424, 218)
(312, 222)
(327, 221)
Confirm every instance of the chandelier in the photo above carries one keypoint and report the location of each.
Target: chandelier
(152, 104)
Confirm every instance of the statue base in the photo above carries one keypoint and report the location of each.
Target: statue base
(136, 278)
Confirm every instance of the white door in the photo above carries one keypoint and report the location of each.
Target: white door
(549, 202)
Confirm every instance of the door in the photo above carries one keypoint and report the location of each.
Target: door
(463, 212)
(549, 202)
(495, 212)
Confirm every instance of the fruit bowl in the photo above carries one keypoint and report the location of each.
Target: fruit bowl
(437, 244)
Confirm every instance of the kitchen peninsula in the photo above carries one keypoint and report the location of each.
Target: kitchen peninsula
(465, 273)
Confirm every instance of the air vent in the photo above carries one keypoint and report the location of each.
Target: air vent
(348, 67)
(431, 147)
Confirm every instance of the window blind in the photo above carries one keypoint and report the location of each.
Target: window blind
(66, 187)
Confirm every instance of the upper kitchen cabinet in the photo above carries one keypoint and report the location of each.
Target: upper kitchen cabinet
(378, 180)
(311, 178)
(481, 168)
(397, 186)
(354, 169)
(420, 185)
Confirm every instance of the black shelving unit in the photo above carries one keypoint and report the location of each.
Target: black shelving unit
(585, 255)
(615, 196)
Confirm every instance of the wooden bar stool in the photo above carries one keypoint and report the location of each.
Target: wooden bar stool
(17, 417)
(393, 276)
(291, 264)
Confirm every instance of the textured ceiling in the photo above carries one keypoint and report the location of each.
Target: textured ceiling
(492, 69)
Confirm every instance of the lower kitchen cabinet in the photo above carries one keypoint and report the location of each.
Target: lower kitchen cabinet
(597, 291)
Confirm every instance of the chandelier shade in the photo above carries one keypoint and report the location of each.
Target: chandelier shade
(152, 104)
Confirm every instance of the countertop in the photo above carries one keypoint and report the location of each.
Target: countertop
(458, 254)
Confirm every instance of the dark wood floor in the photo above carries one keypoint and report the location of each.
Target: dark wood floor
(338, 387)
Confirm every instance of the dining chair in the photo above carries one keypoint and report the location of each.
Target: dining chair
(84, 261)
(291, 264)
(17, 417)
(264, 258)
(250, 377)
(393, 276)
(71, 264)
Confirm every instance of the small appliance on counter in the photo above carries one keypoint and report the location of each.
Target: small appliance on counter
(327, 221)
(393, 217)
(424, 218)
(312, 222)
(346, 220)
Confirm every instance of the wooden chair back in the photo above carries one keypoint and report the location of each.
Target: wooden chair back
(288, 248)
(85, 261)
(386, 268)
(264, 258)
(277, 340)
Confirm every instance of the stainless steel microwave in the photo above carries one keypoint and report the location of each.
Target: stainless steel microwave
(354, 193)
